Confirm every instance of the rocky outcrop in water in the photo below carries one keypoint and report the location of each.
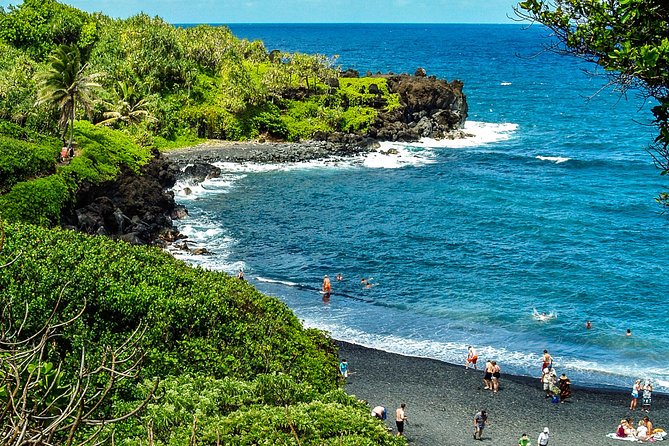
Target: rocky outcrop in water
(430, 108)
(137, 208)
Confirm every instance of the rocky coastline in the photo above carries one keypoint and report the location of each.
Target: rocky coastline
(140, 208)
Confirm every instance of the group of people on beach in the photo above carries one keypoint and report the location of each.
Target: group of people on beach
(559, 390)
(492, 371)
(381, 413)
(645, 390)
(641, 431)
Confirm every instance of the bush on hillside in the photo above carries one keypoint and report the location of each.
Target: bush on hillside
(20, 160)
(198, 321)
(38, 201)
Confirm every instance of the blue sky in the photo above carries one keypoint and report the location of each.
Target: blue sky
(290, 11)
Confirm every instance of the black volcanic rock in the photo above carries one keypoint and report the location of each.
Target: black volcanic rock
(134, 207)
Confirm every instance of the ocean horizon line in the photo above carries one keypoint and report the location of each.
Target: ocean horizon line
(436, 24)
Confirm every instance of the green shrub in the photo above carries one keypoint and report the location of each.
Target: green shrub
(102, 152)
(237, 412)
(358, 119)
(38, 202)
(20, 160)
(355, 92)
(198, 321)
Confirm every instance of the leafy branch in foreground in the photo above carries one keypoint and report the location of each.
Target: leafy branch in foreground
(629, 39)
(41, 404)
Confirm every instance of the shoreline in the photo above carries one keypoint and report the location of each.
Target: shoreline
(442, 399)
(215, 151)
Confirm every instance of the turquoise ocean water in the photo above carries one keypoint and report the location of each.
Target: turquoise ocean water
(550, 205)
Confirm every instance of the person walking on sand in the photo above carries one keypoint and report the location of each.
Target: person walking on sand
(327, 287)
(543, 437)
(495, 376)
(400, 418)
(343, 368)
(524, 440)
(472, 357)
(636, 388)
(487, 375)
(480, 420)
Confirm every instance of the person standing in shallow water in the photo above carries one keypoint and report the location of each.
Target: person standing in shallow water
(327, 287)
(472, 357)
(547, 360)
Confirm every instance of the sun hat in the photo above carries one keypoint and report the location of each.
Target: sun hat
(546, 430)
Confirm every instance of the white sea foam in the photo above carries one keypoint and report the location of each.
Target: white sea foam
(394, 155)
(281, 282)
(554, 159)
(480, 133)
(517, 362)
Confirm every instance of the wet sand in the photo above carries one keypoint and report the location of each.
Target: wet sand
(442, 400)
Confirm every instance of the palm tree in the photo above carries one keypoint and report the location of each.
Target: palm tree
(65, 86)
(128, 108)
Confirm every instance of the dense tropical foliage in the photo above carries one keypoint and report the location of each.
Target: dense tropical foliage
(232, 366)
(629, 39)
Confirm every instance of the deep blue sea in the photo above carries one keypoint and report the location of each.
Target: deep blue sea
(548, 206)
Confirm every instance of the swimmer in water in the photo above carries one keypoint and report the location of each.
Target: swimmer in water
(340, 277)
(588, 325)
(543, 316)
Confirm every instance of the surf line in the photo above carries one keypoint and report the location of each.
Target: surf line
(301, 286)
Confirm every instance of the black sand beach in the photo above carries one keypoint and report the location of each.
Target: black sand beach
(214, 151)
(442, 400)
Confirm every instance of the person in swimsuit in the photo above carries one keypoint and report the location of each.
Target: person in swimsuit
(400, 418)
(472, 357)
(487, 376)
(636, 388)
(340, 277)
(548, 361)
(495, 376)
(326, 285)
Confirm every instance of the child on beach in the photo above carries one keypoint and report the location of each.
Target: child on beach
(646, 397)
(524, 440)
(343, 368)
